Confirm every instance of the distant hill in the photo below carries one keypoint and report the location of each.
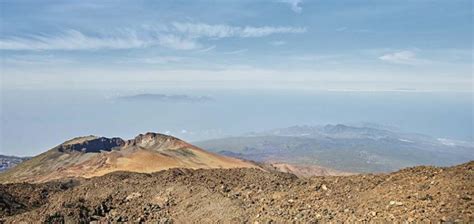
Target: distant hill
(342, 147)
(8, 162)
(95, 156)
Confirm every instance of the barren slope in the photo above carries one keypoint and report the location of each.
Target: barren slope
(95, 156)
(418, 194)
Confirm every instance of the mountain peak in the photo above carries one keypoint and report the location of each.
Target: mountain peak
(95, 144)
(151, 140)
(91, 156)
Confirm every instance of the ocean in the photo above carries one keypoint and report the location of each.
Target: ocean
(33, 121)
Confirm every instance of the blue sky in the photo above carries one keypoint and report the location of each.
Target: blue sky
(280, 44)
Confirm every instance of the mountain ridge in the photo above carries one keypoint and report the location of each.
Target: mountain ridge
(343, 147)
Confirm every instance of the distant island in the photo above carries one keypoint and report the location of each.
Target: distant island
(166, 98)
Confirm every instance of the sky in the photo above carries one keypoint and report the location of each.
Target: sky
(267, 63)
(367, 45)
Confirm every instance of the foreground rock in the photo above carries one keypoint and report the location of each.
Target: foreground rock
(246, 195)
(303, 170)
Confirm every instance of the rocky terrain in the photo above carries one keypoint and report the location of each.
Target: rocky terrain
(91, 156)
(418, 194)
(302, 170)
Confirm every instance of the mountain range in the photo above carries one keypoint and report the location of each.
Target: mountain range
(343, 147)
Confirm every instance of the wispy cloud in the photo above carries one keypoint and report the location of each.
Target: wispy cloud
(294, 4)
(155, 60)
(403, 57)
(206, 49)
(73, 40)
(198, 30)
(277, 43)
(36, 60)
(180, 36)
(313, 57)
(236, 51)
(177, 42)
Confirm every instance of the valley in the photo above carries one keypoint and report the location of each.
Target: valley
(342, 147)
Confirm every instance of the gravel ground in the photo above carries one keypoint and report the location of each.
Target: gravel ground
(416, 194)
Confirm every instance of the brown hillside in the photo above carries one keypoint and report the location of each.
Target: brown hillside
(95, 156)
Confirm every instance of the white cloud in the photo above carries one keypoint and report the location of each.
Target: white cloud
(75, 40)
(72, 40)
(36, 60)
(314, 57)
(155, 60)
(198, 30)
(179, 36)
(206, 49)
(237, 51)
(268, 30)
(402, 57)
(177, 42)
(295, 5)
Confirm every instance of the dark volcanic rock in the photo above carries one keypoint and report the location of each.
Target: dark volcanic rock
(93, 146)
(247, 196)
